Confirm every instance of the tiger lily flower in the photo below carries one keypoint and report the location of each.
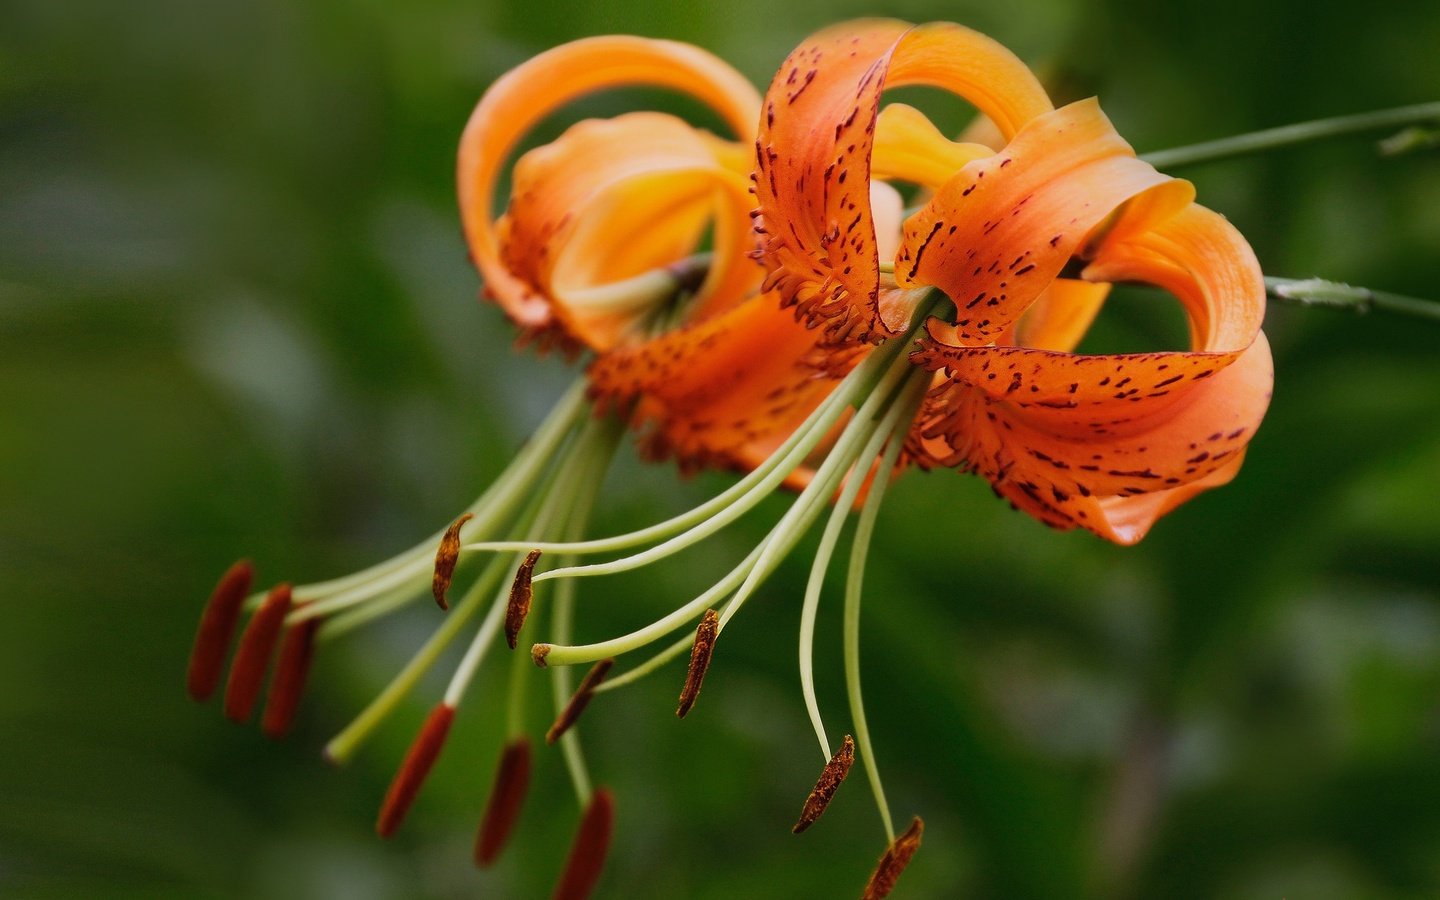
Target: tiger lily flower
(944, 341)
(596, 251)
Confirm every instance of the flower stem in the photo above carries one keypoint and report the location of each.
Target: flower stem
(1291, 135)
(1319, 292)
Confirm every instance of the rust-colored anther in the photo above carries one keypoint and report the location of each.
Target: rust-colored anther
(418, 761)
(520, 594)
(445, 559)
(512, 780)
(217, 627)
(896, 858)
(579, 700)
(834, 773)
(288, 683)
(252, 657)
(705, 636)
(539, 653)
(587, 854)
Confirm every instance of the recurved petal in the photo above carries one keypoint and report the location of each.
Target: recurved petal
(597, 215)
(1000, 231)
(531, 91)
(1112, 442)
(1060, 316)
(813, 156)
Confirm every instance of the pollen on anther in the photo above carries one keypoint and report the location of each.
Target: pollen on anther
(581, 699)
(512, 780)
(521, 592)
(252, 658)
(445, 559)
(288, 683)
(893, 862)
(830, 778)
(418, 761)
(587, 854)
(217, 627)
(705, 635)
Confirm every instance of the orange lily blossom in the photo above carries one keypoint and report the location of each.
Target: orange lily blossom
(947, 341)
(876, 340)
(596, 251)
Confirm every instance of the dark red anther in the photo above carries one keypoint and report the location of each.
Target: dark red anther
(587, 854)
(288, 683)
(507, 796)
(418, 760)
(445, 559)
(705, 635)
(521, 593)
(830, 778)
(581, 699)
(896, 858)
(217, 627)
(252, 658)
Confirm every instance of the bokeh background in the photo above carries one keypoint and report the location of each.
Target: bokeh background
(236, 317)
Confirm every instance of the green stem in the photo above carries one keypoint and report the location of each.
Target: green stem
(1319, 292)
(1291, 135)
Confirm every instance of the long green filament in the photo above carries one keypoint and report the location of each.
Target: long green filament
(745, 493)
(854, 581)
(763, 559)
(343, 746)
(557, 428)
(410, 571)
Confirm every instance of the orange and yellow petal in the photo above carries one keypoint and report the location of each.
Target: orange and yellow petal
(813, 155)
(594, 214)
(530, 92)
(1079, 440)
(999, 232)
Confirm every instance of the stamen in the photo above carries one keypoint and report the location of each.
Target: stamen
(418, 761)
(286, 687)
(893, 862)
(445, 559)
(705, 636)
(587, 854)
(507, 794)
(579, 701)
(834, 773)
(521, 593)
(217, 627)
(247, 671)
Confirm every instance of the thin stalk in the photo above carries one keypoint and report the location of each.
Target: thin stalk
(1291, 135)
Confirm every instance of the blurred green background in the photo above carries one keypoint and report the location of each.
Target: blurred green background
(236, 318)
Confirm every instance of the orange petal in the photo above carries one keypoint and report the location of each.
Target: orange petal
(1110, 443)
(596, 213)
(530, 92)
(813, 154)
(999, 232)
(908, 147)
(724, 391)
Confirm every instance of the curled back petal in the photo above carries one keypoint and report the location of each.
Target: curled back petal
(597, 212)
(1001, 230)
(813, 155)
(1075, 439)
(531, 91)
